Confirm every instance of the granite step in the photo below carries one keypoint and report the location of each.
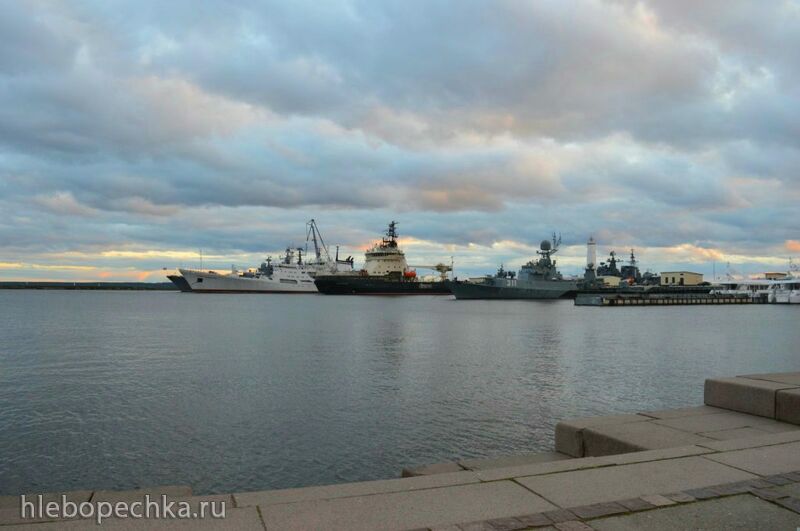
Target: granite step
(484, 463)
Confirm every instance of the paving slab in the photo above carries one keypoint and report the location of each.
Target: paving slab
(513, 460)
(13, 502)
(652, 455)
(780, 377)
(787, 406)
(724, 421)
(426, 470)
(635, 436)
(736, 433)
(569, 433)
(171, 491)
(756, 397)
(683, 412)
(404, 510)
(345, 490)
(764, 461)
(792, 489)
(536, 469)
(752, 442)
(10, 506)
(744, 512)
(246, 519)
(586, 487)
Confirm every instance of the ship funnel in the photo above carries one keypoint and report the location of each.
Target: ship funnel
(591, 253)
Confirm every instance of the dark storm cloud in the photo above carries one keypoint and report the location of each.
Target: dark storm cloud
(649, 123)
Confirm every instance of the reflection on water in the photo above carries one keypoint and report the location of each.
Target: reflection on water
(232, 393)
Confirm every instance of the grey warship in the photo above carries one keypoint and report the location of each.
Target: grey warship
(538, 279)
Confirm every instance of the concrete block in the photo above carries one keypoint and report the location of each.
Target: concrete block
(633, 437)
(427, 470)
(756, 397)
(766, 460)
(362, 488)
(569, 433)
(737, 512)
(404, 510)
(607, 484)
(788, 406)
(513, 460)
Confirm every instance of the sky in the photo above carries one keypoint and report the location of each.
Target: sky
(135, 136)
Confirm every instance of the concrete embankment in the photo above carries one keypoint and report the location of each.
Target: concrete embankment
(733, 462)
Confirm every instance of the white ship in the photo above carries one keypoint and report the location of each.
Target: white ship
(290, 275)
(777, 288)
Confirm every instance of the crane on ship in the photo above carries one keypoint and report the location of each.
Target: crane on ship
(320, 249)
(441, 268)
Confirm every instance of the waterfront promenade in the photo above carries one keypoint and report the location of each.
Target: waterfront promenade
(731, 463)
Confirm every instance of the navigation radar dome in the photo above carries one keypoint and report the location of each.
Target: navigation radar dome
(545, 245)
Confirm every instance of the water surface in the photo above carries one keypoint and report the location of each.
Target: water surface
(245, 392)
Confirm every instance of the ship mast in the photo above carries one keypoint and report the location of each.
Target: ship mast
(391, 235)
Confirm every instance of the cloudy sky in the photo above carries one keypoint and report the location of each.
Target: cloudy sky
(132, 135)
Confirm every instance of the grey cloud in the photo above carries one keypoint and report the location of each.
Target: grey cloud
(652, 123)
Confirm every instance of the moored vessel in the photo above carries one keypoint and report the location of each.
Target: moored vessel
(385, 272)
(180, 282)
(291, 275)
(537, 279)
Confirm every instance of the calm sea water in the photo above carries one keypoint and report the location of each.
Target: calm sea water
(245, 392)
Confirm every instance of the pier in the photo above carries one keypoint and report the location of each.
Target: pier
(732, 462)
(664, 299)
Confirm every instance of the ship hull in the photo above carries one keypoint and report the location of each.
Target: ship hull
(206, 282)
(541, 290)
(180, 282)
(364, 285)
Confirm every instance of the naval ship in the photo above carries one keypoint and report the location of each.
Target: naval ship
(291, 275)
(537, 279)
(385, 272)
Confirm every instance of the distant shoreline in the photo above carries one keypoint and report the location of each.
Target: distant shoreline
(128, 286)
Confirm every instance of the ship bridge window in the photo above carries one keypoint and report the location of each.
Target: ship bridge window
(288, 281)
(199, 279)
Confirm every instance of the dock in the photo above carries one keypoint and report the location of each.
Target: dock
(664, 299)
(732, 462)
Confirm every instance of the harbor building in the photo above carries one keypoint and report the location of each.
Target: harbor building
(681, 278)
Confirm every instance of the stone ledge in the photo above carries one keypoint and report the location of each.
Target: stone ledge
(634, 437)
(756, 397)
(570, 433)
(787, 406)
(348, 490)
